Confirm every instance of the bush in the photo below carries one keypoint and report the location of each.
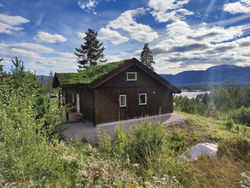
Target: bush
(238, 148)
(145, 142)
(104, 142)
(242, 115)
(176, 141)
(229, 124)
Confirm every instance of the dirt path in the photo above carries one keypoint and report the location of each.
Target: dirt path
(87, 131)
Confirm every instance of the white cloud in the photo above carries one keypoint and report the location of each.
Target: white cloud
(35, 58)
(137, 31)
(186, 47)
(88, 5)
(242, 6)
(8, 24)
(81, 35)
(49, 38)
(164, 11)
(113, 36)
(122, 55)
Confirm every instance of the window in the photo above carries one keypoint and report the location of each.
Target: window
(122, 101)
(131, 76)
(142, 99)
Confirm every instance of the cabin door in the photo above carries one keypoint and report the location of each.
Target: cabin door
(78, 103)
(132, 103)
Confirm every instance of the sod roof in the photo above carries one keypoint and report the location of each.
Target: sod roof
(88, 75)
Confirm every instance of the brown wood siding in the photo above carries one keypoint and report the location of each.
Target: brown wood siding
(107, 109)
(87, 103)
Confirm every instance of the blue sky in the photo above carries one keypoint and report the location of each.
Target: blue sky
(182, 34)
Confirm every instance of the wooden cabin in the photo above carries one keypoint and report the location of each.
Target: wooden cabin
(116, 91)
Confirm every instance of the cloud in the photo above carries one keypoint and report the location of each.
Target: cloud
(36, 57)
(88, 5)
(242, 6)
(113, 36)
(49, 38)
(8, 24)
(81, 35)
(198, 47)
(190, 47)
(136, 31)
(164, 11)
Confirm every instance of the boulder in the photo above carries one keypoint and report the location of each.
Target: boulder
(196, 151)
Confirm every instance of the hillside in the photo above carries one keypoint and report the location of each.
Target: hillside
(216, 75)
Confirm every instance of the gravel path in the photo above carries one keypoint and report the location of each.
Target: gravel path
(87, 131)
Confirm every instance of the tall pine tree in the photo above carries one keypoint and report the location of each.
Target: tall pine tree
(1, 66)
(90, 52)
(147, 57)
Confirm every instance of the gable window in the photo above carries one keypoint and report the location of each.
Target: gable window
(142, 98)
(122, 101)
(131, 76)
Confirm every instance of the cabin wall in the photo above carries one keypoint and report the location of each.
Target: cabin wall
(107, 109)
(86, 100)
(87, 103)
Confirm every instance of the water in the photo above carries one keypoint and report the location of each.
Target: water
(191, 95)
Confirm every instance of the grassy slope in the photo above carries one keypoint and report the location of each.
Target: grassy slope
(223, 170)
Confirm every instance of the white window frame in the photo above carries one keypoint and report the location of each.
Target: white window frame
(145, 99)
(120, 96)
(135, 73)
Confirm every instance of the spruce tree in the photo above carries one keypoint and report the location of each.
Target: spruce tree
(1, 66)
(147, 57)
(90, 52)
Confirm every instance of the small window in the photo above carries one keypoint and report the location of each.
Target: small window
(142, 99)
(131, 76)
(122, 101)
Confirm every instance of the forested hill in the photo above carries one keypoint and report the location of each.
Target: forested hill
(221, 73)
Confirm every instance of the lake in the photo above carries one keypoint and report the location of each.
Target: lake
(191, 95)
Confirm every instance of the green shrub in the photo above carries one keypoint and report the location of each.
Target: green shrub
(242, 115)
(229, 124)
(104, 142)
(145, 142)
(237, 148)
(176, 141)
(120, 141)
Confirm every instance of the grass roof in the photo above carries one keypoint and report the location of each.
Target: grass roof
(88, 75)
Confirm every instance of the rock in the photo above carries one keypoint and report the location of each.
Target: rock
(200, 149)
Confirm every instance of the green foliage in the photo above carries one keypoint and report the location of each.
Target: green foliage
(229, 124)
(224, 103)
(176, 140)
(237, 148)
(104, 142)
(242, 115)
(29, 150)
(88, 75)
(245, 182)
(120, 141)
(91, 52)
(145, 142)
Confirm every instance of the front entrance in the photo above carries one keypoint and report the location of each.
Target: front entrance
(132, 103)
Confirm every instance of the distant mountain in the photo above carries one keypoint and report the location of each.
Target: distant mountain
(215, 74)
(45, 78)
